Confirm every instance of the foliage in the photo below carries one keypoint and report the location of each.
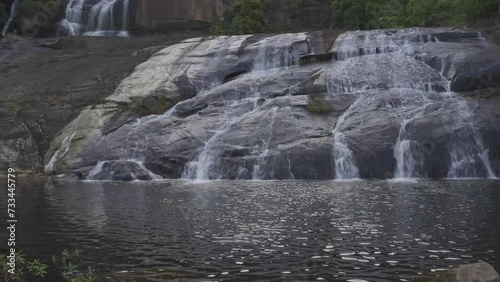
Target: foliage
(246, 17)
(318, 109)
(249, 16)
(307, 60)
(151, 105)
(67, 264)
(25, 269)
(317, 104)
(371, 14)
(487, 93)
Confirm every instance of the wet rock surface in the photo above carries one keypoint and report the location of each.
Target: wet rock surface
(370, 104)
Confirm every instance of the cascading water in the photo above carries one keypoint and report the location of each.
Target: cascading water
(409, 159)
(207, 166)
(273, 53)
(72, 23)
(276, 52)
(96, 21)
(105, 170)
(469, 157)
(124, 32)
(101, 17)
(367, 60)
(345, 166)
(265, 131)
(12, 14)
(65, 145)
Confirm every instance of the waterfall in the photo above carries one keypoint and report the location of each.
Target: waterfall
(272, 54)
(98, 21)
(276, 52)
(106, 170)
(65, 146)
(469, 157)
(71, 24)
(101, 18)
(206, 167)
(370, 60)
(343, 159)
(259, 169)
(12, 14)
(409, 159)
(124, 31)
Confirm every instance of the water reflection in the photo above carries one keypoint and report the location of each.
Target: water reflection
(277, 230)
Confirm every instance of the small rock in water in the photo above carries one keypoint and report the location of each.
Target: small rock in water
(477, 272)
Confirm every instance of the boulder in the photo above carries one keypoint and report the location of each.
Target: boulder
(477, 272)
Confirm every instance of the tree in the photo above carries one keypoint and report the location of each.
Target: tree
(248, 17)
(474, 10)
(349, 14)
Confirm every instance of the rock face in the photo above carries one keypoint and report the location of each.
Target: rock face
(477, 272)
(43, 89)
(371, 105)
(168, 15)
(319, 105)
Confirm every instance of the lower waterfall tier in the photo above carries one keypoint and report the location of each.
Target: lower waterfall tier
(250, 107)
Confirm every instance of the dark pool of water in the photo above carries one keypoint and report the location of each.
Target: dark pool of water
(266, 231)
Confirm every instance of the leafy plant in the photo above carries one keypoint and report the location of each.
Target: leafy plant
(25, 270)
(372, 14)
(67, 264)
(244, 17)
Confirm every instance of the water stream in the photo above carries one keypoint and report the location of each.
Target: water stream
(94, 20)
(12, 14)
(368, 60)
(273, 53)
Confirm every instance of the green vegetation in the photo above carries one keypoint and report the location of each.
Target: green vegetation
(151, 105)
(374, 14)
(317, 104)
(25, 270)
(487, 93)
(254, 16)
(307, 60)
(16, 106)
(244, 17)
(67, 264)
(251, 16)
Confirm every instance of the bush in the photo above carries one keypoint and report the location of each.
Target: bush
(371, 14)
(67, 264)
(246, 17)
(25, 270)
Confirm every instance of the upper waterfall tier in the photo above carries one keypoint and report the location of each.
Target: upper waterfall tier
(95, 18)
(267, 107)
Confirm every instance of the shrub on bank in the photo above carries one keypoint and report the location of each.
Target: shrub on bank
(67, 264)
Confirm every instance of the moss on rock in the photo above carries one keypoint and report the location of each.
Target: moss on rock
(151, 105)
(317, 104)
